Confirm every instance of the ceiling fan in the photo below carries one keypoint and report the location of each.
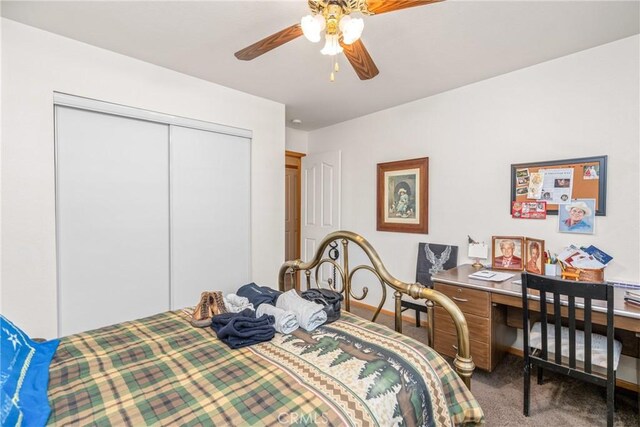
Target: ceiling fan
(342, 32)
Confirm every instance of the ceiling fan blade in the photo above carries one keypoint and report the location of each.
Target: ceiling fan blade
(360, 59)
(382, 6)
(268, 43)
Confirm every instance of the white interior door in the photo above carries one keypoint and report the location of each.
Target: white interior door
(210, 213)
(321, 180)
(112, 189)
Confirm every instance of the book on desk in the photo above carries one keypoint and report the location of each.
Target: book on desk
(632, 298)
(492, 276)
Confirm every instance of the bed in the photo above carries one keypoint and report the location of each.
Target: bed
(162, 371)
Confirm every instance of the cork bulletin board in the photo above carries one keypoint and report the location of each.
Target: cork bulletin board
(586, 179)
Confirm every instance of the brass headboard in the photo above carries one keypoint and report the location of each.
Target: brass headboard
(462, 363)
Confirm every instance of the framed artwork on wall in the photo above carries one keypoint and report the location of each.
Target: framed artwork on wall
(578, 217)
(402, 202)
(557, 182)
(507, 253)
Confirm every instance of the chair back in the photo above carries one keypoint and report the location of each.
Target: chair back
(434, 258)
(551, 290)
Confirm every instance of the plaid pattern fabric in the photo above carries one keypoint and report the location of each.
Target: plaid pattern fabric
(162, 371)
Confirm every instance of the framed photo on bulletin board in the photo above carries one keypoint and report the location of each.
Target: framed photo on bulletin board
(403, 189)
(557, 182)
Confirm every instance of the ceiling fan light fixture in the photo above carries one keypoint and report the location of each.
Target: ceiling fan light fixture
(351, 29)
(342, 32)
(332, 45)
(312, 26)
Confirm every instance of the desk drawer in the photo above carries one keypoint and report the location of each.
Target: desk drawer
(470, 301)
(479, 327)
(447, 344)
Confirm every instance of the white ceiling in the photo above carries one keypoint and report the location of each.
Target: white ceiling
(420, 51)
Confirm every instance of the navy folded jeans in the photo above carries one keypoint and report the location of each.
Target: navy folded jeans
(243, 329)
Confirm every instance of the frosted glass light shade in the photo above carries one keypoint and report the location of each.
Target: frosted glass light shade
(312, 26)
(351, 29)
(332, 45)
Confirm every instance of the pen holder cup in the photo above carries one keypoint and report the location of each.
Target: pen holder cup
(584, 274)
(550, 269)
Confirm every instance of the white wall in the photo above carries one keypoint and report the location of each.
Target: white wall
(35, 64)
(297, 140)
(581, 105)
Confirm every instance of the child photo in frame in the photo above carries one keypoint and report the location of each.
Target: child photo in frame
(533, 258)
(507, 253)
(402, 200)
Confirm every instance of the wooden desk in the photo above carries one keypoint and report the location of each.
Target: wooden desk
(485, 305)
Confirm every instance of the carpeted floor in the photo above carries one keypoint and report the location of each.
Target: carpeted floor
(559, 401)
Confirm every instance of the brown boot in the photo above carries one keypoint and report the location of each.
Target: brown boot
(216, 303)
(201, 317)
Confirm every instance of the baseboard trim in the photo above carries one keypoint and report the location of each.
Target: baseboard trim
(515, 351)
(372, 309)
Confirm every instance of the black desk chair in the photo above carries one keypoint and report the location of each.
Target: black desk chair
(593, 351)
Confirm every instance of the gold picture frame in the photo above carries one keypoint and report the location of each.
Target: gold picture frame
(534, 262)
(403, 190)
(507, 253)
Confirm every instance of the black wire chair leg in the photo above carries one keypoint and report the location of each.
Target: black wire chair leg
(611, 401)
(539, 371)
(527, 389)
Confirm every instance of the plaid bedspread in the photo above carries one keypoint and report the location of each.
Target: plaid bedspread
(162, 371)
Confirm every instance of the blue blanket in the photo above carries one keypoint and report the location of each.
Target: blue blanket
(243, 329)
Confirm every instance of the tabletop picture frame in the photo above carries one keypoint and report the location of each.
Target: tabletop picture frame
(504, 259)
(402, 199)
(534, 255)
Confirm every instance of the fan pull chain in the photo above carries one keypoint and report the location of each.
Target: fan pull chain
(335, 67)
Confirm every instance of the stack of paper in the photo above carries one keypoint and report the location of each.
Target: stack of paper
(624, 284)
(632, 297)
(601, 256)
(493, 276)
(590, 257)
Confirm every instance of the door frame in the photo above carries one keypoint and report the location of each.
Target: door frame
(293, 160)
(321, 207)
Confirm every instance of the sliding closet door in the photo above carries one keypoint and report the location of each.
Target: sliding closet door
(210, 213)
(112, 218)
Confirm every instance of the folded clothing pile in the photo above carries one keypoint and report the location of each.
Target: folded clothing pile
(236, 323)
(259, 294)
(328, 299)
(243, 329)
(309, 314)
(236, 304)
(285, 321)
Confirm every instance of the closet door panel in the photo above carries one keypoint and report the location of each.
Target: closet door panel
(210, 213)
(112, 218)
